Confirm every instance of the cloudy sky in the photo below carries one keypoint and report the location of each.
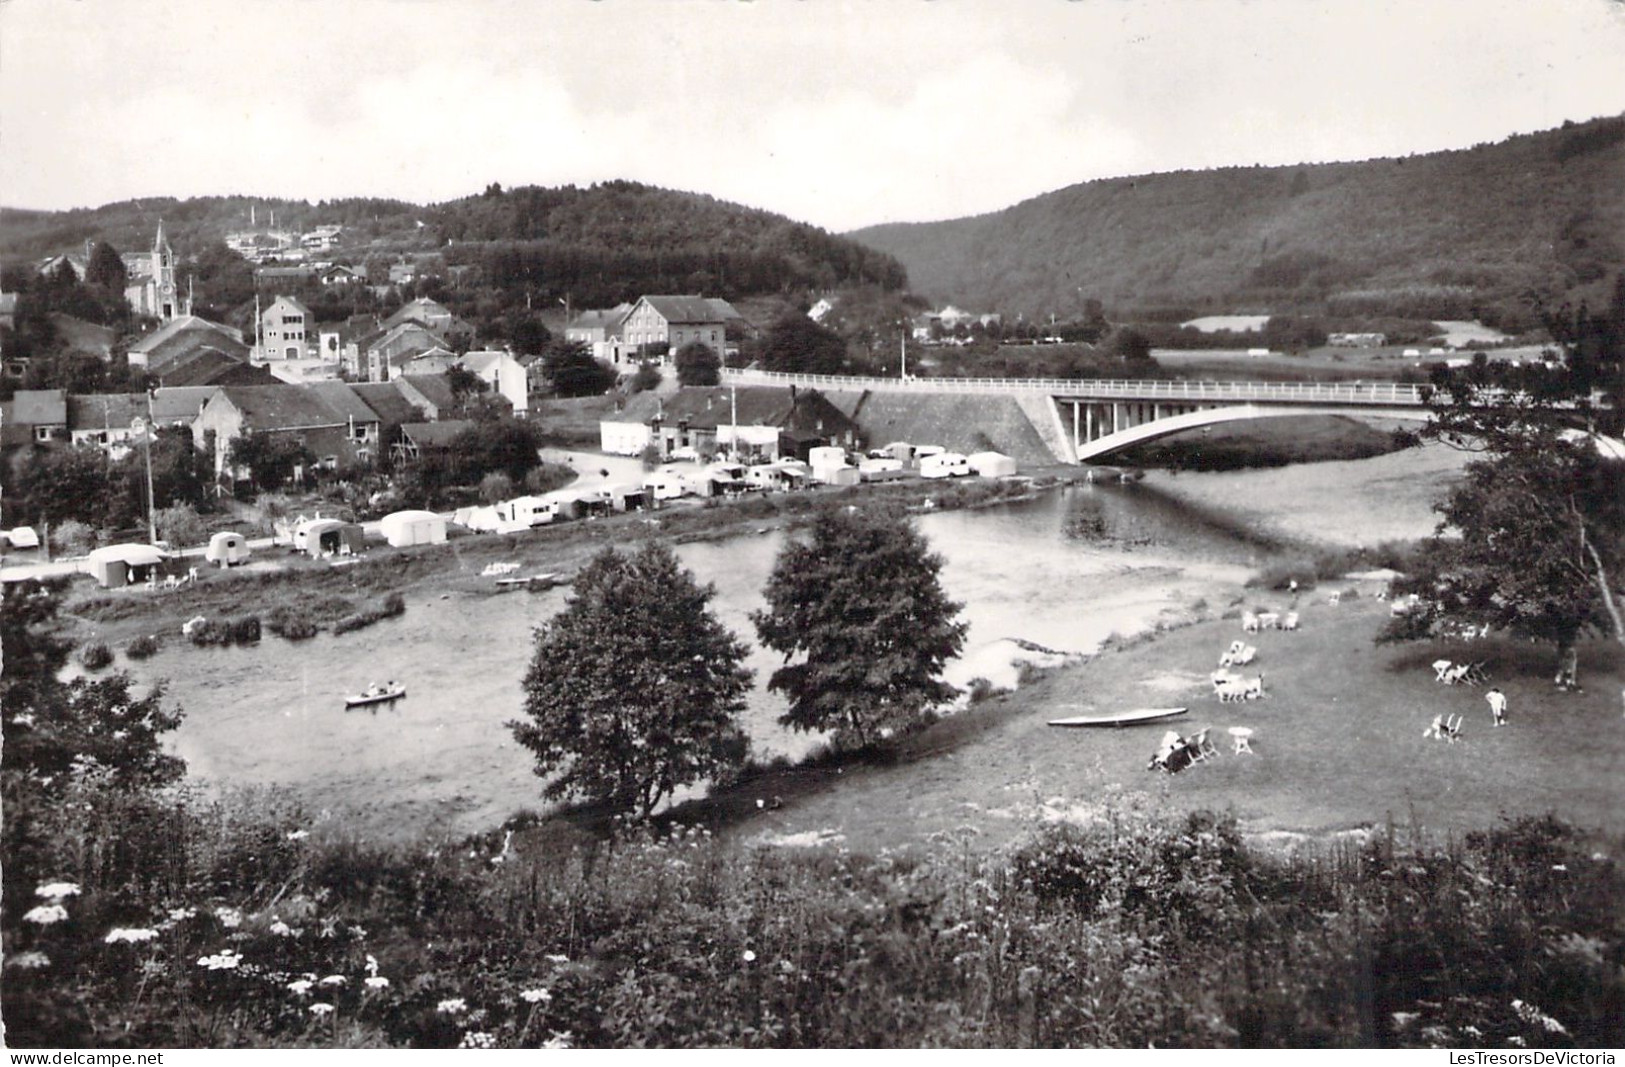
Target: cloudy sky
(841, 113)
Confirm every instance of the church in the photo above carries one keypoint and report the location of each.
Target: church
(150, 287)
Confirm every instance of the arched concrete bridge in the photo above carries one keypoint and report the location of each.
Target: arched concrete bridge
(1087, 420)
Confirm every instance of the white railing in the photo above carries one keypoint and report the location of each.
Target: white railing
(1376, 393)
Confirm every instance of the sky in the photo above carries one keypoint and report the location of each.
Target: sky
(841, 113)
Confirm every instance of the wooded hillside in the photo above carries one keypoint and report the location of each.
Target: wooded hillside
(1431, 236)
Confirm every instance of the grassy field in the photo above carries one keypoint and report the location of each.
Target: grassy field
(1337, 746)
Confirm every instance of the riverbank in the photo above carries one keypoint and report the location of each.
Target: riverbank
(1337, 743)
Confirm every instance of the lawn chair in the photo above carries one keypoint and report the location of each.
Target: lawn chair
(1441, 670)
(1200, 747)
(1245, 656)
(1452, 729)
(1475, 674)
(1241, 737)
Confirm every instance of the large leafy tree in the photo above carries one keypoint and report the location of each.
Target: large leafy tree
(860, 610)
(635, 688)
(1533, 539)
(798, 345)
(698, 364)
(270, 458)
(106, 269)
(572, 371)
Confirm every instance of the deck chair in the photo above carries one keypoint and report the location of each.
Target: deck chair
(1452, 729)
(1475, 674)
(1201, 748)
(1441, 668)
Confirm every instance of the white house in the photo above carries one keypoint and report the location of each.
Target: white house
(504, 374)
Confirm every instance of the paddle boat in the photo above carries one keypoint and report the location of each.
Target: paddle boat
(376, 694)
(1132, 717)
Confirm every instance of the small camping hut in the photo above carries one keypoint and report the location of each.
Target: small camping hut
(626, 496)
(992, 464)
(333, 537)
(413, 528)
(120, 565)
(226, 548)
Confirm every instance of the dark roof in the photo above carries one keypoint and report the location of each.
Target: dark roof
(208, 365)
(110, 411)
(639, 407)
(298, 305)
(287, 407)
(342, 399)
(175, 327)
(434, 434)
(600, 320)
(387, 402)
(712, 406)
(684, 308)
(433, 387)
(421, 310)
(724, 310)
(184, 402)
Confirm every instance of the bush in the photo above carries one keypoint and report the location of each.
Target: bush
(496, 487)
(95, 656)
(546, 477)
(181, 526)
(143, 647)
(72, 538)
(390, 606)
(290, 623)
(243, 631)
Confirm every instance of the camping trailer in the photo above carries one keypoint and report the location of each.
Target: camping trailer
(992, 464)
(525, 511)
(332, 537)
(227, 548)
(944, 465)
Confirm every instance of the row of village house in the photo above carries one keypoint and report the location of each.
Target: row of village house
(344, 424)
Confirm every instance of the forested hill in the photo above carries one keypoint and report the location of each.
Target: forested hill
(600, 244)
(1434, 235)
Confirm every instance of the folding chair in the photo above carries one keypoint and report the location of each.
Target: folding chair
(1201, 748)
(1441, 670)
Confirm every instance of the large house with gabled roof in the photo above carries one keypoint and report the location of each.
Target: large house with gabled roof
(667, 323)
(328, 418)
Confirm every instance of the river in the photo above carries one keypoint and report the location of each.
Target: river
(441, 760)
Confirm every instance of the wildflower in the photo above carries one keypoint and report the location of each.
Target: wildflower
(319, 1009)
(452, 1006)
(377, 982)
(130, 934)
(56, 891)
(332, 980)
(372, 964)
(557, 959)
(535, 996)
(181, 914)
(1560, 866)
(225, 960)
(46, 914)
(28, 961)
(300, 986)
(281, 929)
(298, 835)
(230, 918)
(359, 933)
(23, 720)
(560, 1039)
(750, 957)
(1533, 1015)
(477, 1039)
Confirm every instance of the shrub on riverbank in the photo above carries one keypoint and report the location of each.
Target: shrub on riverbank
(222, 632)
(390, 606)
(95, 656)
(1128, 930)
(290, 623)
(143, 647)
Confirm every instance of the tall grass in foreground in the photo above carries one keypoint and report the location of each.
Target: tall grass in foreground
(185, 921)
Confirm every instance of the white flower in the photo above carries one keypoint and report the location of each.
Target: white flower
(181, 914)
(557, 959)
(130, 934)
(377, 982)
(477, 1039)
(332, 980)
(55, 891)
(560, 1039)
(319, 1009)
(46, 914)
(300, 986)
(230, 918)
(535, 996)
(281, 929)
(28, 961)
(372, 964)
(750, 957)
(452, 1006)
(225, 960)
(298, 835)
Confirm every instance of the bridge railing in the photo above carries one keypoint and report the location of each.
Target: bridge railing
(1375, 393)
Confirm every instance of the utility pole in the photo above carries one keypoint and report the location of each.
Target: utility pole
(902, 354)
(146, 429)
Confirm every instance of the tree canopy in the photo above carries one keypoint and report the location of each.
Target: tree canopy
(1533, 539)
(635, 688)
(798, 345)
(572, 371)
(698, 364)
(861, 610)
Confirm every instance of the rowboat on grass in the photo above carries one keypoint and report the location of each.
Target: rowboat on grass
(1132, 717)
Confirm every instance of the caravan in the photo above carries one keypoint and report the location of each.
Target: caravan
(944, 465)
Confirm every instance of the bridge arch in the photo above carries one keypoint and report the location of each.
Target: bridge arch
(1166, 425)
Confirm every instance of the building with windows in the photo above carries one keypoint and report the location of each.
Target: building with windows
(287, 329)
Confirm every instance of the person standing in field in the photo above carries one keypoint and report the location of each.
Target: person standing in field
(1498, 705)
